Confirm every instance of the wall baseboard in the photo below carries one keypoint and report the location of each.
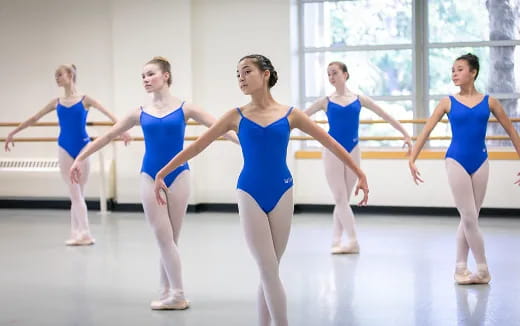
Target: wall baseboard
(49, 203)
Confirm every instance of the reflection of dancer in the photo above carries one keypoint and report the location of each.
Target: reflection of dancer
(72, 110)
(464, 314)
(163, 123)
(466, 160)
(342, 108)
(265, 184)
(344, 278)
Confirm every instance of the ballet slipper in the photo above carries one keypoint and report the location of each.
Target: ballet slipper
(170, 304)
(351, 248)
(336, 250)
(482, 276)
(462, 276)
(70, 242)
(82, 241)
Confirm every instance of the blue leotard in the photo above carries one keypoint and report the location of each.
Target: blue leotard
(468, 128)
(73, 127)
(265, 175)
(344, 123)
(163, 139)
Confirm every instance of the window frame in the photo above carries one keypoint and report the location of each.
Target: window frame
(420, 47)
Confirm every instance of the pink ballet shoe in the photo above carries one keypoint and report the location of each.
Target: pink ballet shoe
(170, 304)
(462, 276)
(480, 277)
(70, 242)
(84, 241)
(351, 248)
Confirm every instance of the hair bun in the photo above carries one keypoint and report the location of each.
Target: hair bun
(161, 59)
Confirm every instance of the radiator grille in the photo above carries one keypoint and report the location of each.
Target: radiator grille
(29, 164)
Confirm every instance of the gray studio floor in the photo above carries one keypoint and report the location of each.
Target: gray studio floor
(403, 275)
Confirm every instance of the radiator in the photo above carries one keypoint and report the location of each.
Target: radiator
(41, 178)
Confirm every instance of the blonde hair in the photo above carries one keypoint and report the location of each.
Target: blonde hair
(164, 65)
(70, 68)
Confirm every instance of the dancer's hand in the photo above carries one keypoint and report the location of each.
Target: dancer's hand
(158, 186)
(415, 173)
(75, 172)
(126, 138)
(517, 182)
(363, 185)
(8, 140)
(408, 143)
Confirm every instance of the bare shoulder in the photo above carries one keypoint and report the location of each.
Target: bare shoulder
(53, 103)
(296, 116)
(364, 99)
(189, 106)
(444, 104)
(294, 111)
(231, 118)
(88, 101)
(493, 102)
(322, 101)
(135, 114)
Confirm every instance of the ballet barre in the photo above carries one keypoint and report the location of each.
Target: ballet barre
(193, 123)
(302, 154)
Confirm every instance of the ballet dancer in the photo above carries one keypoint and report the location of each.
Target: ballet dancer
(467, 160)
(72, 110)
(264, 190)
(163, 123)
(343, 108)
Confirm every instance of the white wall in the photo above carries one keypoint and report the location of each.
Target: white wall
(36, 37)
(391, 184)
(110, 40)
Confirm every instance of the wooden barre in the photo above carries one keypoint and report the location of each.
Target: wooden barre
(90, 124)
(54, 139)
(415, 121)
(427, 154)
(193, 123)
(381, 138)
(299, 138)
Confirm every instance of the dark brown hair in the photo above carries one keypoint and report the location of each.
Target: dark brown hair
(263, 63)
(341, 66)
(472, 61)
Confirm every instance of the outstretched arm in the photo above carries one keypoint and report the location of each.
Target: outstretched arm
(196, 113)
(301, 121)
(90, 102)
(29, 122)
(121, 126)
(371, 105)
(320, 104)
(226, 123)
(436, 116)
(498, 111)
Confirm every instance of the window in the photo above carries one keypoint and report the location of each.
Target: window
(400, 52)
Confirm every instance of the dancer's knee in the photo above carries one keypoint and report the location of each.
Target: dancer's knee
(469, 222)
(269, 273)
